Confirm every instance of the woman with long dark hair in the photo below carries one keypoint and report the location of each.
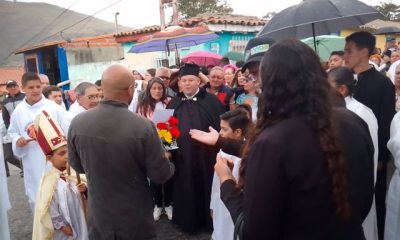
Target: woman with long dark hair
(156, 98)
(292, 174)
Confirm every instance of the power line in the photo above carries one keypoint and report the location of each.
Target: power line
(72, 25)
(51, 22)
(44, 28)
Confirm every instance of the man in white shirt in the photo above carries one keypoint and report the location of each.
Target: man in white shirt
(87, 97)
(33, 159)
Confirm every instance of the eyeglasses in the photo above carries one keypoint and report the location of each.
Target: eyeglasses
(93, 97)
(250, 78)
(164, 77)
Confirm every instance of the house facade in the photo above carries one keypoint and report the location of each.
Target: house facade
(69, 63)
(234, 32)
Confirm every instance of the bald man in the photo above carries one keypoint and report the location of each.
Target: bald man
(118, 151)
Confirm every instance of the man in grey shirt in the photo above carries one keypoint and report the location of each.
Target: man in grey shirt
(118, 151)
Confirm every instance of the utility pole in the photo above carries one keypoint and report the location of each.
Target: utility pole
(175, 12)
(116, 21)
(162, 15)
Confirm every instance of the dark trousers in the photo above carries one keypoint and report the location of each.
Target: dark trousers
(160, 191)
(380, 198)
(9, 157)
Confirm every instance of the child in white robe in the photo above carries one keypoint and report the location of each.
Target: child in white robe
(234, 125)
(59, 211)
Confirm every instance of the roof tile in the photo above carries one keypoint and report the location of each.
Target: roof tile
(222, 19)
(200, 20)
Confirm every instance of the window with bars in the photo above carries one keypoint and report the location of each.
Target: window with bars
(238, 43)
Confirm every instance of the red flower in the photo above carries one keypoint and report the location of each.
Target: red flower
(175, 132)
(222, 97)
(173, 121)
(162, 126)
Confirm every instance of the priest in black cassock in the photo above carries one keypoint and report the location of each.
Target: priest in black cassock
(195, 109)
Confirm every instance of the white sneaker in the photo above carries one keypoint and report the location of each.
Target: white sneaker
(157, 213)
(168, 211)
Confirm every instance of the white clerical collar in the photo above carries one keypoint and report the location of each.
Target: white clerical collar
(191, 97)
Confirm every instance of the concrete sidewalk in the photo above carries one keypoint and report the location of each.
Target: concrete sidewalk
(21, 218)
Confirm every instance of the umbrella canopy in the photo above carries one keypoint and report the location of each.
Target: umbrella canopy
(235, 56)
(318, 17)
(326, 44)
(387, 30)
(173, 38)
(203, 58)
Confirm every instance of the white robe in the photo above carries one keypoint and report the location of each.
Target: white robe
(391, 73)
(365, 113)
(33, 159)
(66, 203)
(74, 110)
(4, 199)
(392, 225)
(222, 221)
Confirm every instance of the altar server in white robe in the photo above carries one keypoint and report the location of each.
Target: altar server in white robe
(392, 227)
(23, 146)
(4, 199)
(343, 80)
(234, 125)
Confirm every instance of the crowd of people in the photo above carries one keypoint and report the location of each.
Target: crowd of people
(280, 146)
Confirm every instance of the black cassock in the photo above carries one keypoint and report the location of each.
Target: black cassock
(194, 161)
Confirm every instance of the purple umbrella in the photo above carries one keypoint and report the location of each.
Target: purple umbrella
(173, 38)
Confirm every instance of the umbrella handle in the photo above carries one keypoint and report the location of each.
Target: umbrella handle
(313, 33)
(168, 50)
(177, 59)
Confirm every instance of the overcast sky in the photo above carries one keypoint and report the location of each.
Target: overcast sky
(141, 13)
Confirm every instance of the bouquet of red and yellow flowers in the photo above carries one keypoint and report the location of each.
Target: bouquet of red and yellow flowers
(168, 132)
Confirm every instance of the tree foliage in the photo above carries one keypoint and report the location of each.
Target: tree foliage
(191, 8)
(269, 15)
(390, 10)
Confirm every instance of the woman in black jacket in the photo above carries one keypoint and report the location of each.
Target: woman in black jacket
(292, 183)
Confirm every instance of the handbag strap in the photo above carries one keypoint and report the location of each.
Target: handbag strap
(238, 233)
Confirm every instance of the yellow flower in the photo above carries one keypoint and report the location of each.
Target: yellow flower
(165, 135)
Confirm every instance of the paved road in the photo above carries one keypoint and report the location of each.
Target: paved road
(21, 218)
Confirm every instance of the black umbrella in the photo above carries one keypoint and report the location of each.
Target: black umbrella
(387, 30)
(318, 17)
